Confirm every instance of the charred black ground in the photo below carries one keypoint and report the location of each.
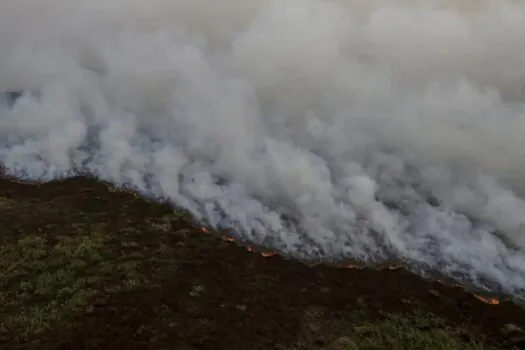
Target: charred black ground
(85, 267)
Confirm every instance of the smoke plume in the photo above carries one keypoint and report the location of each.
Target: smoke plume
(371, 130)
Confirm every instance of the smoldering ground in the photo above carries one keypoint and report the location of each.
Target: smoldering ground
(326, 129)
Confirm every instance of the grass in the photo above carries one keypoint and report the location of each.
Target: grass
(94, 269)
(362, 329)
(393, 331)
(45, 281)
(51, 273)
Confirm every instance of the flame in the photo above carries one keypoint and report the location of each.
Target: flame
(266, 254)
(490, 301)
(352, 266)
(487, 300)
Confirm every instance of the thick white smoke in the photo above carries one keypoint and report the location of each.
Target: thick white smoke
(369, 130)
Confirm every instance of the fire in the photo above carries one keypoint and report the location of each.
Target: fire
(486, 300)
(352, 266)
(248, 248)
(491, 301)
(394, 267)
(266, 254)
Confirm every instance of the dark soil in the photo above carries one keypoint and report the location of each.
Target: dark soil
(85, 267)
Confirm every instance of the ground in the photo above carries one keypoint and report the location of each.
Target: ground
(86, 267)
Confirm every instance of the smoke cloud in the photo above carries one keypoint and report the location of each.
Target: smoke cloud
(370, 130)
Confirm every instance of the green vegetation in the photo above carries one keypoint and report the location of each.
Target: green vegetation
(393, 331)
(84, 267)
(54, 271)
(47, 281)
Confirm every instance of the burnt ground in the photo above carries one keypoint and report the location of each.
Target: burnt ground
(86, 267)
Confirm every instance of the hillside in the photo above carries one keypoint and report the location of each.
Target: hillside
(87, 267)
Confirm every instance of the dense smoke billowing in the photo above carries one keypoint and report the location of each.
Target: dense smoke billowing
(369, 130)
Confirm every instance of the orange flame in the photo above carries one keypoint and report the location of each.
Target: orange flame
(352, 266)
(268, 254)
(486, 300)
(394, 267)
(491, 301)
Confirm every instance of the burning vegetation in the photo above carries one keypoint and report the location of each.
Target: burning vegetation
(120, 265)
(267, 254)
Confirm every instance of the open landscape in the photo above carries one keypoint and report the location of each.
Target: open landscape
(328, 174)
(84, 266)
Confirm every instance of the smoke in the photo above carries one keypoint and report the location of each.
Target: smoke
(370, 130)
